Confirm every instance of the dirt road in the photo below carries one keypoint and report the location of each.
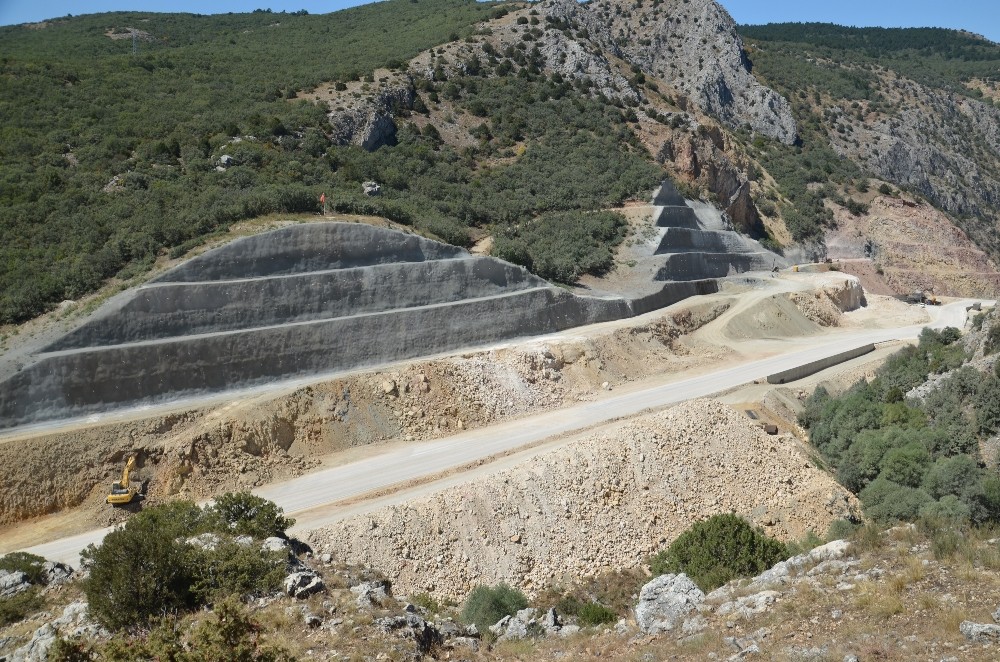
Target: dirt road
(313, 498)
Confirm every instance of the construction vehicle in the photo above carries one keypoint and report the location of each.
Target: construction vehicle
(121, 492)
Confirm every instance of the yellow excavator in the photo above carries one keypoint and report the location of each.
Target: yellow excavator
(121, 492)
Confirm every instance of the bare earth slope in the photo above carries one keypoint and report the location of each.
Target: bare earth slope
(609, 500)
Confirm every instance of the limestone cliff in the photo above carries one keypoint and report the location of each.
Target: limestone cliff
(693, 45)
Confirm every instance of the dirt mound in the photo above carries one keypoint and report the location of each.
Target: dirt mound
(607, 501)
(774, 317)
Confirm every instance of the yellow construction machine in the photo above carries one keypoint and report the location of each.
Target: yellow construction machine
(121, 492)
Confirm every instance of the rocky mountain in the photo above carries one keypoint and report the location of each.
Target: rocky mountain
(496, 118)
(914, 109)
(798, 172)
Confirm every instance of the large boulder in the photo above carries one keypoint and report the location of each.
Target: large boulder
(666, 602)
(12, 583)
(56, 573)
(303, 583)
(372, 594)
(412, 626)
(981, 633)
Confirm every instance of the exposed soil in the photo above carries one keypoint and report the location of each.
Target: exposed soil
(257, 439)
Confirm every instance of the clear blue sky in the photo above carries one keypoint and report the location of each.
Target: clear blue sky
(981, 16)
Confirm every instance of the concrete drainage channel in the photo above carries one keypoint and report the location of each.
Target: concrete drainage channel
(319, 298)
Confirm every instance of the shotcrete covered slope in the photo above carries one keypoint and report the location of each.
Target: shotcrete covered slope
(212, 325)
(318, 298)
(699, 244)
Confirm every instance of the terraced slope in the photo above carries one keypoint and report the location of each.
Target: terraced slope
(319, 298)
(303, 300)
(696, 244)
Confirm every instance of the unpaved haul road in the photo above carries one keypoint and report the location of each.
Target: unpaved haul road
(408, 464)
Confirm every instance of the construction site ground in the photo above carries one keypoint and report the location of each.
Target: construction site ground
(249, 440)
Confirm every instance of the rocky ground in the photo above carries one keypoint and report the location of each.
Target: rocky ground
(605, 502)
(900, 595)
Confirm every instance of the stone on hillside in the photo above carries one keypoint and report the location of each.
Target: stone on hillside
(665, 602)
(302, 584)
(982, 633)
(372, 594)
(12, 583)
(413, 627)
(551, 621)
(781, 571)
(74, 622)
(56, 573)
(274, 544)
(206, 541)
(510, 629)
(749, 605)
(371, 189)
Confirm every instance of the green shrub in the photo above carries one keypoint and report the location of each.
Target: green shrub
(906, 465)
(18, 607)
(841, 529)
(562, 247)
(718, 550)
(229, 634)
(138, 574)
(244, 513)
(593, 613)
(486, 605)
(887, 502)
(947, 508)
(147, 569)
(29, 564)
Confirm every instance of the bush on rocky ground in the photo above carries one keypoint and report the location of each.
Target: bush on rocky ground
(176, 557)
(718, 550)
(486, 605)
(230, 634)
(30, 564)
(18, 607)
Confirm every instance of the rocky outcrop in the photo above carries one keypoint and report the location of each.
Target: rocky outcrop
(367, 120)
(934, 143)
(666, 603)
(914, 247)
(12, 583)
(302, 584)
(74, 622)
(693, 45)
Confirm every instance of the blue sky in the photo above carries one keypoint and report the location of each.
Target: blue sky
(981, 16)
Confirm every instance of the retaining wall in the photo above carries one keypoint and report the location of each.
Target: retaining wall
(803, 371)
(80, 382)
(168, 309)
(701, 265)
(309, 247)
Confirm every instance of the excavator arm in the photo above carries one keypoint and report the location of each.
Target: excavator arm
(121, 491)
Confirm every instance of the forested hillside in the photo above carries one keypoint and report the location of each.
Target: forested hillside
(115, 126)
(81, 109)
(111, 156)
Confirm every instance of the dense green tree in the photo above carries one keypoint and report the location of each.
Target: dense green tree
(718, 550)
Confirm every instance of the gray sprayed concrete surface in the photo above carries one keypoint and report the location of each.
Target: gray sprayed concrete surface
(307, 300)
